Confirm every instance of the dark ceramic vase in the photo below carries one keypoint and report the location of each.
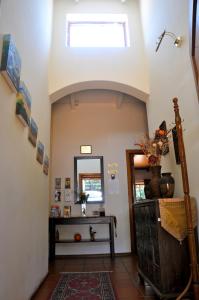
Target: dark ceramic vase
(167, 185)
(155, 182)
(147, 188)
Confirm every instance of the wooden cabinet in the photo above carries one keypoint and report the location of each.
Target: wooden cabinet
(162, 260)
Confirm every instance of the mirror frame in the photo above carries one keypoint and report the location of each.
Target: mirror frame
(76, 158)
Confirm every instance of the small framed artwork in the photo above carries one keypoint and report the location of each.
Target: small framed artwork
(10, 63)
(32, 132)
(23, 105)
(85, 149)
(67, 195)
(57, 195)
(67, 183)
(67, 211)
(25, 95)
(21, 113)
(40, 152)
(58, 183)
(46, 165)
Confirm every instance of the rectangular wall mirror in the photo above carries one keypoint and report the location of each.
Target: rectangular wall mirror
(89, 178)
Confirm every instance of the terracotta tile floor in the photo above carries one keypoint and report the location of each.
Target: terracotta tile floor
(124, 275)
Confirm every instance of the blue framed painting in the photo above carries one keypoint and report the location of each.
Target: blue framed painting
(10, 63)
(23, 105)
(32, 132)
(25, 95)
(40, 152)
(46, 165)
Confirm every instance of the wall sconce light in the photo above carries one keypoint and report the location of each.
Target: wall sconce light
(113, 170)
(177, 39)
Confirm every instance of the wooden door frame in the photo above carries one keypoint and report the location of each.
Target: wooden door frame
(131, 180)
(193, 6)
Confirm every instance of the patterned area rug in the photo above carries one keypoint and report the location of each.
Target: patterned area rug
(84, 286)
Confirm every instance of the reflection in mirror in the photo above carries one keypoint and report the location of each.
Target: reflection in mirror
(89, 178)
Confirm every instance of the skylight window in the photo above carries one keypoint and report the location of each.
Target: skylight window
(97, 30)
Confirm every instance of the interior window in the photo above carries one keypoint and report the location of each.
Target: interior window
(91, 184)
(97, 30)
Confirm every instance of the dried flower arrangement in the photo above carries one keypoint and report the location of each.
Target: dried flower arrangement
(155, 147)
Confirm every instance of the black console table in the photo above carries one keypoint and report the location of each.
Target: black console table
(80, 220)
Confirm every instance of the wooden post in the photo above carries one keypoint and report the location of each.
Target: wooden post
(190, 229)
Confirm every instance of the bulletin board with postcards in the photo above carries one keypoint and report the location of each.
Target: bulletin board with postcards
(61, 197)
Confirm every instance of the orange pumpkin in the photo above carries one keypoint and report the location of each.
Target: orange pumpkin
(162, 132)
(77, 237)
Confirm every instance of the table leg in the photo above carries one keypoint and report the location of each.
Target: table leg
(51, 240)
(111, 235)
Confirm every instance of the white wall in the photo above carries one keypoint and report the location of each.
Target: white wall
(24, 187)
(110, 131)
(72, 65)
(171, 76)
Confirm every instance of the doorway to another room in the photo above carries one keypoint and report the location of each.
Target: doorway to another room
(138, 174)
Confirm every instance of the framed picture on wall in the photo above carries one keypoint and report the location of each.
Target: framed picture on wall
(40, 152)
(46, 165)
(32, 132)
(67, 195)
(10, 63)
(57, 195)
(85, 149)
(23, 105)
(67, 211)
(58, 183)
(24, 94)
(21, 112)
(67, 183)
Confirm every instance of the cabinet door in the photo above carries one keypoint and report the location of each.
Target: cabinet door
(147, 242)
